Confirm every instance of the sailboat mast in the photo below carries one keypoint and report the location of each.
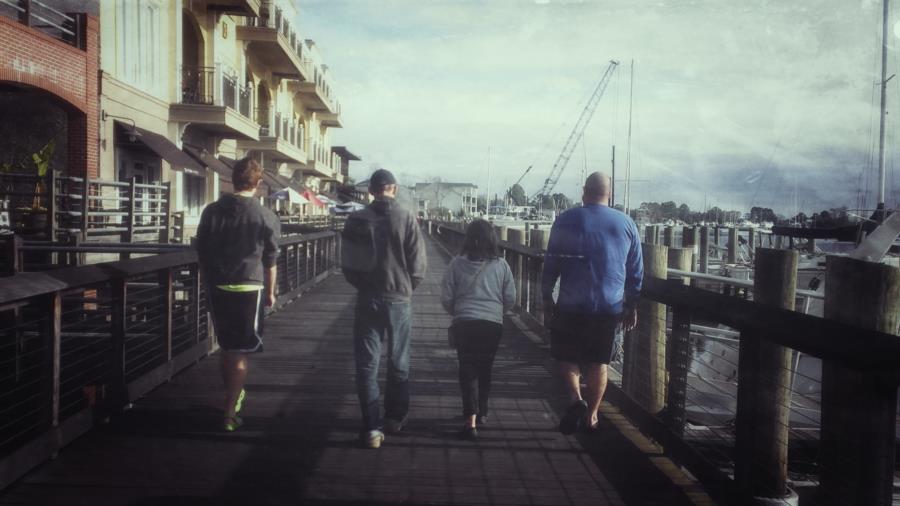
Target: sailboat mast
(487, 198)
(884, 80)
(627, 202)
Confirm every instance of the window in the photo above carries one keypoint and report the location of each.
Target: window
(193, 194)
(140, 44)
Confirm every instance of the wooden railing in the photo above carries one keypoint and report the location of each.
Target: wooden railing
(753, 398)
(80, 343)
(57, 207)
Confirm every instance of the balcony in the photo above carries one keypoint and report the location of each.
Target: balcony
(69, 28)
(318, 97)
(216, 101)
(235, 7)
(279, 136)
(274, 43)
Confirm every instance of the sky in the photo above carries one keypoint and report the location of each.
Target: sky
(735, 104)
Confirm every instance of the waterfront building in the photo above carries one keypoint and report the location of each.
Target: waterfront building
(438, 198)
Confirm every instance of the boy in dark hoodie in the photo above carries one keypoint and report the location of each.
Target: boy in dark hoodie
(383, 257)
(237, 244)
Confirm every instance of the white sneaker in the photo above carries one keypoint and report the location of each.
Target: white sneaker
(374, 438)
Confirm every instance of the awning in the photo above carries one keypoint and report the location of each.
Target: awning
(289, 194)
(313, 198)
(166, 149)
(205, 158)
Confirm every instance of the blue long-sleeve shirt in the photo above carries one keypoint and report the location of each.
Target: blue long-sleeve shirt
(595, 252)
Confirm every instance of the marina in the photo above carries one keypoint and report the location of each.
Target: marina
(750, 147)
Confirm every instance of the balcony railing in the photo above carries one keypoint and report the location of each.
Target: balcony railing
(212, 86)
(262, 117)
(68, 28)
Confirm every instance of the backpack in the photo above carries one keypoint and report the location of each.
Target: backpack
(358, 249)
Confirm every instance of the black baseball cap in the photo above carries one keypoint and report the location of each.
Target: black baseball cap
(380, 178)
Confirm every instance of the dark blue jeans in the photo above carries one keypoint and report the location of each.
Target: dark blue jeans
(379, 321)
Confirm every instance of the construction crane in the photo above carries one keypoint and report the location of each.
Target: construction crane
(509, 190)
(572, 142)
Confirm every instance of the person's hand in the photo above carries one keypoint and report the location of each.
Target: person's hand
(629, 319)
(270, 299)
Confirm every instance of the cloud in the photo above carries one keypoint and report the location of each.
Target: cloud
(723, 90)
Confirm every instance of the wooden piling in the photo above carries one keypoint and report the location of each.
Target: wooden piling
(540, 238)
(651, 234)
(501, 231)
(751, 241)
(681, 259)
(516, 262)
(764, 379)
(645, 347)
(688, 237)
(732, 245)
(669, 237)
(703, 257)
(859, 410)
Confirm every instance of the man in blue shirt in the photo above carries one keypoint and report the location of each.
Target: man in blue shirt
(595, 253)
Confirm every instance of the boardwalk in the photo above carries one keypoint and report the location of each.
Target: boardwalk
(298, 444)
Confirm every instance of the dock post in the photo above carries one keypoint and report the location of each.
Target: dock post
(651, 234)
(669, 237)
(764, 386)
(704, 250)
(810, 245)
(751, 241)
(689, 240)
(644, 377)
(502, 232)
(859, 410)
(517, 263)
(732, 245)
(678, 353)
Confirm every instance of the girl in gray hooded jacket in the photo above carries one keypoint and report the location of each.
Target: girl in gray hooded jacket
(477, 290)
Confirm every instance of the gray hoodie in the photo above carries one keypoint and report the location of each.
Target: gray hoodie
(487, 298)
(382, 252)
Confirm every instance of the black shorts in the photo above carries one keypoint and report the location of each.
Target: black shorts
(238, 319)
(584, 338)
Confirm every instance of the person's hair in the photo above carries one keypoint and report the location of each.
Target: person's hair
(480, 242)
(246, 174)
(380, 189)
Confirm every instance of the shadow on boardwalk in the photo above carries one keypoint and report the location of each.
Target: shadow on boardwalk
(298, 444)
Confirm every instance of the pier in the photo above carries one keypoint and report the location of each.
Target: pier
(299, 441)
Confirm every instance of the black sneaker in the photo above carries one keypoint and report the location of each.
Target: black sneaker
(573, 419)
(468, 433)
(393, 426)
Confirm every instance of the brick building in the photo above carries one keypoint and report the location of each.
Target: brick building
(50, 60)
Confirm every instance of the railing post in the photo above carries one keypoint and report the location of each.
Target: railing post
(85, 207)
(53, 344)
(678, 346)
(196, 286)
(704, 250)
(167, 209)
(12, 245)
(166, 299)
(52, 224)
(764, 392)
(859, 411)
(645, 347)
(132, 208)
(25, 14)
(517, 236)
(732, 245)
(679, 358)
(119, 310)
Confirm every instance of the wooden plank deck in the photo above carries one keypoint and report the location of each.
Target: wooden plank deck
(299, 441)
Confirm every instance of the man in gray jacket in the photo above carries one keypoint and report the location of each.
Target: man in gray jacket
(383, 257)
